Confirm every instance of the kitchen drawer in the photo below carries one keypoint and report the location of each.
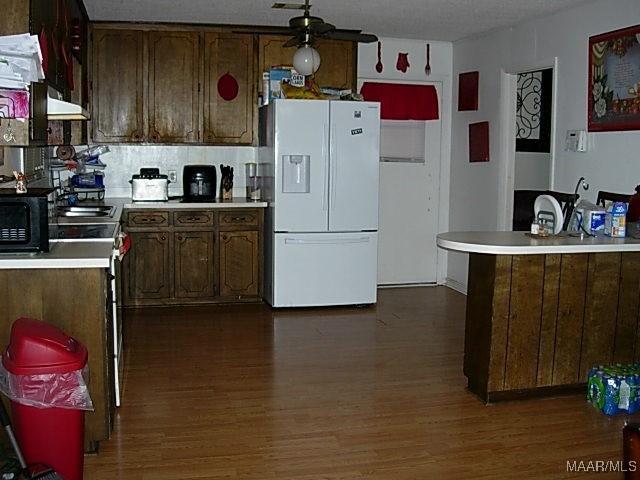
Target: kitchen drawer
(239, 218)
(193, 218)
(148, 219)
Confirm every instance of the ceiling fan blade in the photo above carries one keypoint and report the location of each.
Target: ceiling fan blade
(321, 28)
(289, 6)
(351, 36)
(273, 31)
(292, 42)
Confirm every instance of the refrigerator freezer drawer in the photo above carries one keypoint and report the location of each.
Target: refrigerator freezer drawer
(317, 269)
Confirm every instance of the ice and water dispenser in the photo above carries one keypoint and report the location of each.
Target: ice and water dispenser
(295, 173)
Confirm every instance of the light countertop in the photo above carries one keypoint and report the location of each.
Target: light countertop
(90, 254)
(174, 204)
(70, 254)
(97, 253)
(517, 243)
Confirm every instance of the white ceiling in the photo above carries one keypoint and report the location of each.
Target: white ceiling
(420, 19)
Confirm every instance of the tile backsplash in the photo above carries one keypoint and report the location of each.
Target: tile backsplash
(125, 160)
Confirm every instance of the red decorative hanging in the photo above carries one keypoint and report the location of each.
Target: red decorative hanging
(228, 87)
(403, 102)
(403, 62)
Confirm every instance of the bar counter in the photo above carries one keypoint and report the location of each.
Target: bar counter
(542, 312)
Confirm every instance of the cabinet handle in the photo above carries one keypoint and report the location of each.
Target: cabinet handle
(239, 219)
(163, 238)
(180, 238)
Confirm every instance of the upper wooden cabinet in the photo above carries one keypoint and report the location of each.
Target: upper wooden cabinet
(173, 91)
(230, 120)
(337, 59)
(272, 51)
(162, 83)
(117, 114)
(337, 62)
(63, 23)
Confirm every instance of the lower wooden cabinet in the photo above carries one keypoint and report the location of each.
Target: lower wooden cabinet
(239, 266)
(193, 256)
(148, 268)
(84, 314)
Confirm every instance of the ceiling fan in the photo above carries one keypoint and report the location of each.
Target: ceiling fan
(306, 28)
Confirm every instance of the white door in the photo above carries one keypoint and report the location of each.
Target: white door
(409, 193)
(354, 171)
(301, 144)
(315, 269)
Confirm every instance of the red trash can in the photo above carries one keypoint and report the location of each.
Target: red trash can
(45, 368)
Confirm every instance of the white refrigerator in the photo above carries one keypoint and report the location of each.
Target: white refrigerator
(321, 162)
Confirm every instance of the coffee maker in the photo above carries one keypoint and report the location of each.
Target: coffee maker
(199, 182)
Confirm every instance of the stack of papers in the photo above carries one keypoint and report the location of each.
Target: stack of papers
(20, 61)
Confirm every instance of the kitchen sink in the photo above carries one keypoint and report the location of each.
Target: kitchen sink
(86, 211)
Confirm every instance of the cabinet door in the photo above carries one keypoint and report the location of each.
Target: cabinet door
(193, 256)
(117, 114)
(229, 120)
(149, 265)
(239, 263)
(337, 65)
(271, 51)
(173, 99)
(337, 61)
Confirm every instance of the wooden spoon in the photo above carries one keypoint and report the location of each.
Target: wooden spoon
(379, 66)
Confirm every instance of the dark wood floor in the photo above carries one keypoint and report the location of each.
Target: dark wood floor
(242, 392)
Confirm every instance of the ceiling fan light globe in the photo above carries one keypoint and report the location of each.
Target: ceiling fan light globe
(306, 60)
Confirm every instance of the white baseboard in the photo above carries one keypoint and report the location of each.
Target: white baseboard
(405, 285)
(455, 285)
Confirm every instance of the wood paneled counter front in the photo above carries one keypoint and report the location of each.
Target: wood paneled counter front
(542, 312)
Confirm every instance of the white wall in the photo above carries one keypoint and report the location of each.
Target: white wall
(532, 171)
(125, 160)
(611, 165)
(441, 62)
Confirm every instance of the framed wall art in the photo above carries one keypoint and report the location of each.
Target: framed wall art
(468, 91)
(479, 142)
(614, 81)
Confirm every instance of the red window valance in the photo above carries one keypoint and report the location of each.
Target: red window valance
(403, 102)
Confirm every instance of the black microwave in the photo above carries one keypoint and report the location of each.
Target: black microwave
(24, 220)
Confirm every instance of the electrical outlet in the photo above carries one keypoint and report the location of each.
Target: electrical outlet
(173, 176)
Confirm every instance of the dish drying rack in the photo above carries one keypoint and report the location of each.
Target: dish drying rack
(64, 188)
(87, 182)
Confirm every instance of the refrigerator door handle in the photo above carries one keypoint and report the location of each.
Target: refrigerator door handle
(334, 166)
(325, 241)
(325, 169)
